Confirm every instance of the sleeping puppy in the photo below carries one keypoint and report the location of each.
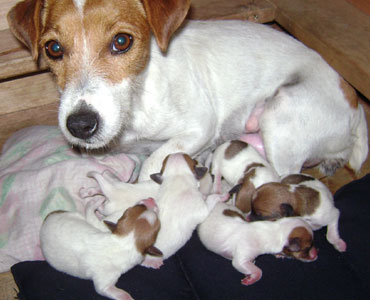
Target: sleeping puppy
(227, 233)
(190, 91)
(243, 168)
(121, 195)
(85, 247)
(181, 204)
(299, 195)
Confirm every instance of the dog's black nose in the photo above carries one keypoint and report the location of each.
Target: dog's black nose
(83, 124)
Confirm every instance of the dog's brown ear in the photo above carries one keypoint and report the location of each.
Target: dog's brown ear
(112, 226)
(200, 172)
(157, 177)
(25, 23)
(154, 251)
(164, 17)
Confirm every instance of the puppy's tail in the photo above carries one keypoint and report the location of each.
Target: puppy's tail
(360, 146)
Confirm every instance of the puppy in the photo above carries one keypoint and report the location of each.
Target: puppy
(227, 233)
(299, 195)
(86, 248)
(181, 204)
(243, 168)
(162, 97)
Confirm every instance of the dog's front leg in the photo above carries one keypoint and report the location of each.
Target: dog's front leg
(190, 144)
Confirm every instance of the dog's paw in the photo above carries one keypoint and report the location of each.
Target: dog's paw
(152, 262)
(340, 245)
(330, 166)
(250, 279)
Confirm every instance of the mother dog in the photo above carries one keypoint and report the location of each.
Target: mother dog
(215, 81)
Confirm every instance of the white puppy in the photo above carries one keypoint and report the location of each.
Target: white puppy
(227, 233)
(243, 168)
(181, 204)
(299, 195)
(213, 82)
(84, 247)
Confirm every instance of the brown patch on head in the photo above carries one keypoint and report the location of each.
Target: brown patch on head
(234, 148)
(233, 214)
(243, 198)
(296, 179)
(191, 162)
(300, 245)
(308, 200)
(269, 199)
(134, 221)
(349, 93)
(251, 167)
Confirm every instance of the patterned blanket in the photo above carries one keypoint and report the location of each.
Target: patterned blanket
(40, 173)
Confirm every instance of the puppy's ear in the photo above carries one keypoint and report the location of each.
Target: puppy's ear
(200, 172)
(25, 23)
(157, 177)
(235, 189)
(154, 251)
(165, 17)
(286, 210)
(112, 226)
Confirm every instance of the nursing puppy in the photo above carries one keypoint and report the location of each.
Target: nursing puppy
(243, 168)
(227, 233)
(208, 86)
(299, 195)
(181, 204)
(84, 247)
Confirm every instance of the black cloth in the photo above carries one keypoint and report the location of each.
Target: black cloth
(196, 273)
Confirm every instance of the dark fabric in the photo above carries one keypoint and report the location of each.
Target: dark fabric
(195, 273)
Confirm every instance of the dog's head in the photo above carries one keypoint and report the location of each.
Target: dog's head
(141, 220)
(96, 49)
(300, 245)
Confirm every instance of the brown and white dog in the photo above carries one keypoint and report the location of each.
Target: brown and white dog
(215, 81)
(243, 168)
(84, 247)
(299, 195)
(227, 233)
(181, 204)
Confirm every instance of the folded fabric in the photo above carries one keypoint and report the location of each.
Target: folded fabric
(40, 173)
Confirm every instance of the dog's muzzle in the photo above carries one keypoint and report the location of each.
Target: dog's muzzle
(83, 124)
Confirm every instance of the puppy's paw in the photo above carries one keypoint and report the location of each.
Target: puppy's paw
(340, 245)
(250, 279)
(152, 262)
(89, 192)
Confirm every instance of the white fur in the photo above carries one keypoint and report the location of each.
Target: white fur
(326, 214)
(83, 246)
(203, 90)
(181, 208)
(241, 241)
(233, 169)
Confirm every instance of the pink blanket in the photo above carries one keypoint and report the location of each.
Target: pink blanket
(40, 173)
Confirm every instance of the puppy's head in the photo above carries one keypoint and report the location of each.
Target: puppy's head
(141, 220)
(272, 201)
(300, 245)
(96, 49)
(179, 164)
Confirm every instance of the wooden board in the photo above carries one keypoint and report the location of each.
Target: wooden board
(337, 30)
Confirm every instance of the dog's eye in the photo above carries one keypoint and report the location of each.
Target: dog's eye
(121, 43)
(54, 50)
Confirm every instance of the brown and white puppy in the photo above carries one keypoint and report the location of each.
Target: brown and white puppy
(227, 233)
(181, 204)
(121, 87)
(243, 168)
(85, 247)
(299, 195)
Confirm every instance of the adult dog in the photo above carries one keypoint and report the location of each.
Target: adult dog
(215, 81)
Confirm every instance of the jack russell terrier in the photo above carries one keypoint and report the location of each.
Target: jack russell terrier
(214, 82)
(299, 195)
(85, 247)
(227, 233)
(181, 204)
(243, 168)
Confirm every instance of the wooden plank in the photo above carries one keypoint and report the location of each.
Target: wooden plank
(363, 5)
(5, 6)
(28, 92)
(260, 11)
(334, 28)
(42, 115)
(8, 287)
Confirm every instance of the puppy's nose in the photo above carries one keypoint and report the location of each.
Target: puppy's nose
(83, 124)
